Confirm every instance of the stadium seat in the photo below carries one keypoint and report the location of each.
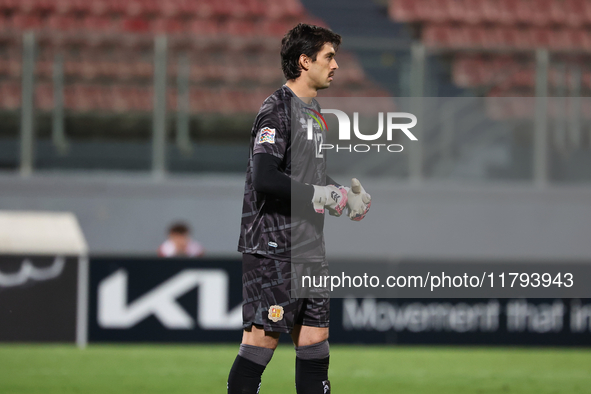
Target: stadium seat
(507, 12)
(251, 9)
(575, 11)
(202, 101)
(450, 36)
(35, 6)
(167, 26)
(204, 27)
(9, 5)
(93, 23)
(533, 12)
(580, 38)
(403, 10)
(44, 96)
(108, 48)
(21, 22)
(11, 68)
(144, 8)
(63, 23)
(10, 95)
(135, 25)
(239, 27)
(454, 10)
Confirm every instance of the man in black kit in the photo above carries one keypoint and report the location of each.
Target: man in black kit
(285, 196)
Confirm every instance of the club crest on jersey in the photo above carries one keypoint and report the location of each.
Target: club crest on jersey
(266, 135)
(275, 313)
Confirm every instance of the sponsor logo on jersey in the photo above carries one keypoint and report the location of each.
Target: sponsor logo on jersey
(266, 135)
(318, 118)
(275, 313)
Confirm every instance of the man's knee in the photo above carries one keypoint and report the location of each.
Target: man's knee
(306, 335)
(257, 336)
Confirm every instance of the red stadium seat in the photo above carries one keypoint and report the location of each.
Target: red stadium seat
(491, 11)
(44, 68)
(533, 12)
(35, 6)
(283, 9)
(183, 8)
(454, 9)
(63, 23)
(11, 67)
(98, 23)
(25, 22)
(204, 27)
(293, 9)
(221, 8)
(559, 39)
(575, 11)
(167, 26)
(436, 35)
(203, 9)
(449, 36)
(10, 96)
(274, 28)
(253, 8)
(144, 70)
(239, 27)
(202, 101)
(44, 97)
(473, 11)
(198, 72)
(508, 12)
(515, 37)
(403, 10)
(115, 7)
(580, 39)
(142, 7)
(135, 25)
(205, 35)
(9, 5)
(558, 12)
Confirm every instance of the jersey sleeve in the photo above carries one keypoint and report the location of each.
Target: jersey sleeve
(272, 135)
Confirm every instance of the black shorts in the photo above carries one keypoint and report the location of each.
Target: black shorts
(268, 297)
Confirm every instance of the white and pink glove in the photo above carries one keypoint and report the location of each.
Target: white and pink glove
(331, 197)
(358, 201)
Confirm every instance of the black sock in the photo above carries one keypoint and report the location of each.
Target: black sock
(245, 376)
(312, 376)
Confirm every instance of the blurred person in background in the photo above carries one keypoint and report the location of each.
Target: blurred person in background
(179, 243)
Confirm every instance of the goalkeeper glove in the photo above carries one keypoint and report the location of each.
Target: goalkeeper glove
(332, 197)
(358, 201)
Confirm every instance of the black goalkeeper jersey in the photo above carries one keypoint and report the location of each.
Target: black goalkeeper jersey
(285, 230)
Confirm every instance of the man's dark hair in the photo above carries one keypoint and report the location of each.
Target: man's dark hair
(179, 228)
(304, 39)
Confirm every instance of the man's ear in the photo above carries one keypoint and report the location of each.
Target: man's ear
(304, 62)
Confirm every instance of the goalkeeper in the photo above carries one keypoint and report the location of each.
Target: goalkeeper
(286, 195)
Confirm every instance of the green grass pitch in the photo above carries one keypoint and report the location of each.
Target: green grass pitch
(193, 369)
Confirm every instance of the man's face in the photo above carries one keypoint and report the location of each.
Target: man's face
(180, 241)
(321, 71)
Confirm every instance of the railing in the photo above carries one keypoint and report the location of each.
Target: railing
(450, 126)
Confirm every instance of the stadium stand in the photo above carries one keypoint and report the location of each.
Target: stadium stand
(107, 47)
(487, 39)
